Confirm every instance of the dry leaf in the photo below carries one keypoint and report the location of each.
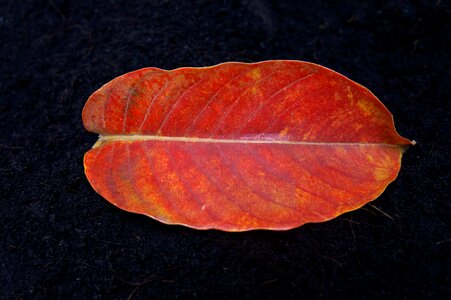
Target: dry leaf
(237, 146)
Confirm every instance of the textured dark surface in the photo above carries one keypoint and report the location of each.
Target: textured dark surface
(59, 239)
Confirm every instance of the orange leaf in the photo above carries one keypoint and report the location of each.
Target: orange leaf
(237, 146)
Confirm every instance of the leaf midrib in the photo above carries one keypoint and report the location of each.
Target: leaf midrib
(105, 138)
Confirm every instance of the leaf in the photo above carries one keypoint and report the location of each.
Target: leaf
(237, 146)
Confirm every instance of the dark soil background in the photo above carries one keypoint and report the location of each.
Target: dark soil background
(60, 240)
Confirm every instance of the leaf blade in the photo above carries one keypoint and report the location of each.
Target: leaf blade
(221, 185)
(220, 122)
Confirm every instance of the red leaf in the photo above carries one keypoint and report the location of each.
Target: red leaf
(236, 146)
